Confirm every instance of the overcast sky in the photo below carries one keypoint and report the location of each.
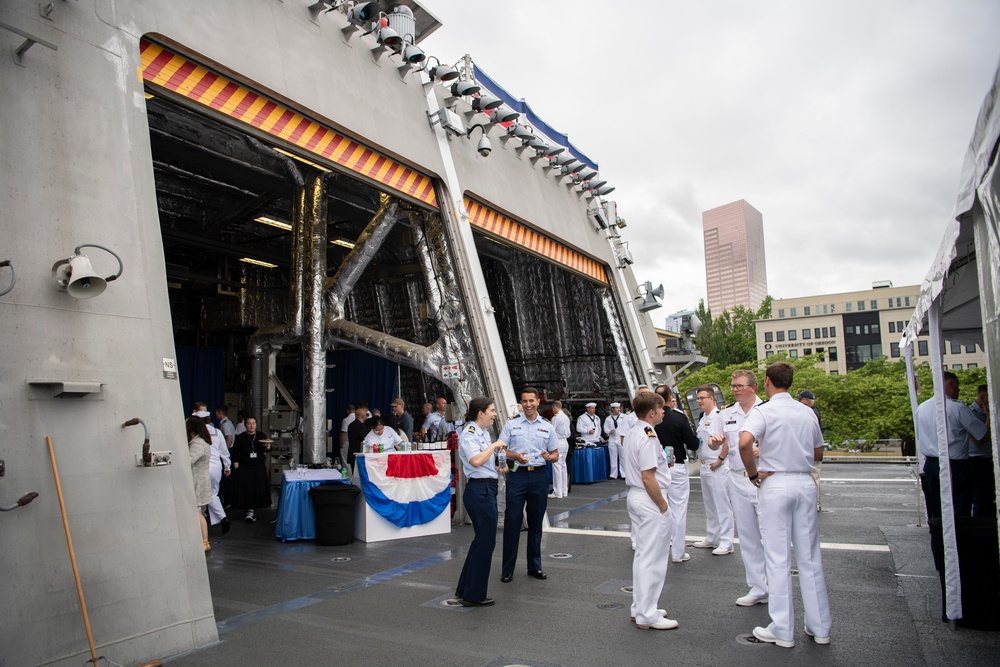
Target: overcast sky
(844, 123)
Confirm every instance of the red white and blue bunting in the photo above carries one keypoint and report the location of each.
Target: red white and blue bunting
(406, 489)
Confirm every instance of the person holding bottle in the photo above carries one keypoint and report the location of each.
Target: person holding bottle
(476, 453)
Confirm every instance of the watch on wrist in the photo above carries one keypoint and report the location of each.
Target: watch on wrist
(754, 476)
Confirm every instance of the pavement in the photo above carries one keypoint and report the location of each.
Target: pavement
(390, 603)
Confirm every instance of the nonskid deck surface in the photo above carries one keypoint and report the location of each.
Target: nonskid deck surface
(388, 603)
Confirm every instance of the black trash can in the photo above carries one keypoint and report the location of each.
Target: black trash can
(978, 570)
(334, 505)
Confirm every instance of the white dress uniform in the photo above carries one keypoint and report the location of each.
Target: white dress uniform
(714, 485)
(650, 528)
(218, 462)
(787, 433)
(560, 474)
(584, 423)
(743, 497)
(615, 427)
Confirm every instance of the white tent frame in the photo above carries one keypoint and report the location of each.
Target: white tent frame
(960, 299)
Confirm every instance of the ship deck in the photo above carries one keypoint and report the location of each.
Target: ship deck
(388, 603)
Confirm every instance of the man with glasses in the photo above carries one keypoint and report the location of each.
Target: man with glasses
(742, 492)
(714, 474)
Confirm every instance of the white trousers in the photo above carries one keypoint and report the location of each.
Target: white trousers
(678, 494)
(649, 563)
(788, 516)
(560, 479)
(615, 451)
(746, 515)
(718, 511)
(215, 511)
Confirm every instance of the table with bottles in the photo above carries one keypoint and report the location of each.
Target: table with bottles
(296, 516)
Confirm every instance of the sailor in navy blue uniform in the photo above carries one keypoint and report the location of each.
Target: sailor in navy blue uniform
(531, 443)
(476, 451)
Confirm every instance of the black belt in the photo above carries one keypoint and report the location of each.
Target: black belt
(529, 468)
(484, 480)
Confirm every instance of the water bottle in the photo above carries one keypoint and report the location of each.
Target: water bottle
(502, 460)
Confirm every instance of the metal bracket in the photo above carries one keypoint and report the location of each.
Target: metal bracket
(29, 41)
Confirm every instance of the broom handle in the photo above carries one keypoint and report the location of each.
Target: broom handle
(72, 554)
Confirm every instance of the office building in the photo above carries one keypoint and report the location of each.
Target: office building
(852, 328)
(735, 271)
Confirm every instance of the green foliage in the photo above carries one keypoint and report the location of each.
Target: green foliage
(871, 403)
(730, 338)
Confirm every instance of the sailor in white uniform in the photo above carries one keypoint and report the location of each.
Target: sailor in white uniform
(714, 478)
(616, 425)
(588, 425)
(648, 477)
(789, 440)
(742, 492)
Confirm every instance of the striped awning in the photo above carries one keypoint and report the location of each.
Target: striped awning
(501, 227)
(164, 69)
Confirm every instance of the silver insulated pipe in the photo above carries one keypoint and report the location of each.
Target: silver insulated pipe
(314, 404)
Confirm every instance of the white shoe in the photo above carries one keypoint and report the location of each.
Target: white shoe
(683, 559)
(765, 635)
(662, 624)
(633, 546)
(663, 613)
(552, 495)
(750, 600)
(702, 544)
(722, 551)
(818, 640)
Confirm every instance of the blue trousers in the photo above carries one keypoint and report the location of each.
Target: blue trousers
(480, 500)
(961, 487)
(531, 488)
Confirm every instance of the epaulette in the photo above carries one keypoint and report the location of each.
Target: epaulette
(730, 405)
(764, 401)
(471, 429)
(544, 419)
(650, 432)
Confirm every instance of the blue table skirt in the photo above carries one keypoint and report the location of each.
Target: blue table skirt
(296, 516)
(590, 464)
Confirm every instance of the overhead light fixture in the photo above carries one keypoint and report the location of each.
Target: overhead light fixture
(484, 147)
(463, 88)
(521, 132)
(585, 174)
(363, 12)
(600, 192)
(273, 223)
(342, 243)
(439, 72)
(485, 102)
(503, 114)
(76, 276)
(314, 165)
(258, 262)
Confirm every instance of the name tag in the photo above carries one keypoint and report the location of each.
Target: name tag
(253, 455)
(731, 427)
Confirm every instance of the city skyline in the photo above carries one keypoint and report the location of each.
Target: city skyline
(735, 263)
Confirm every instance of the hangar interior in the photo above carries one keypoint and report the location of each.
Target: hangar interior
(225, 197)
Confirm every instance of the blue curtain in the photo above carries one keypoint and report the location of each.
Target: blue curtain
(358, 376)
(201, 372)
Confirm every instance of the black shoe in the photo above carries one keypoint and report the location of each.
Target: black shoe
(225, 525)
(251, 518)
(506, 578)
(485, 602)
(537, 574)
(459, 593)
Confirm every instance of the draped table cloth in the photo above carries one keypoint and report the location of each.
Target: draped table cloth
(296, 516)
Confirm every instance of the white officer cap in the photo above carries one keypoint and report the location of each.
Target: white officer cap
(616, 405)
(591, 405)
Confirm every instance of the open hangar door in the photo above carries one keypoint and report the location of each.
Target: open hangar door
(226, 203)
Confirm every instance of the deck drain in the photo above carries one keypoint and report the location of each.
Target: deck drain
(560, 555)
(625, 589)
(340, 559)
(795, 572)
(749, 640)
(610, 606)
(455, 602)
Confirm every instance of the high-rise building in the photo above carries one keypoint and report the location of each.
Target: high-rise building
(735, 271)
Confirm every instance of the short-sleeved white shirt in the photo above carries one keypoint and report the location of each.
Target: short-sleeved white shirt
(709, 425)
(390, 438)
(346, 422)
(731, 421)
(643, 451)
(786, 431)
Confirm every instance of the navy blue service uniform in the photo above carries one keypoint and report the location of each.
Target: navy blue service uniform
(480, 500)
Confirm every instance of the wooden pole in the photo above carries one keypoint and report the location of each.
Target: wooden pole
(72, 554)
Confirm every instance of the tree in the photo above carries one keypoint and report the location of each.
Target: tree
(730, 338)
